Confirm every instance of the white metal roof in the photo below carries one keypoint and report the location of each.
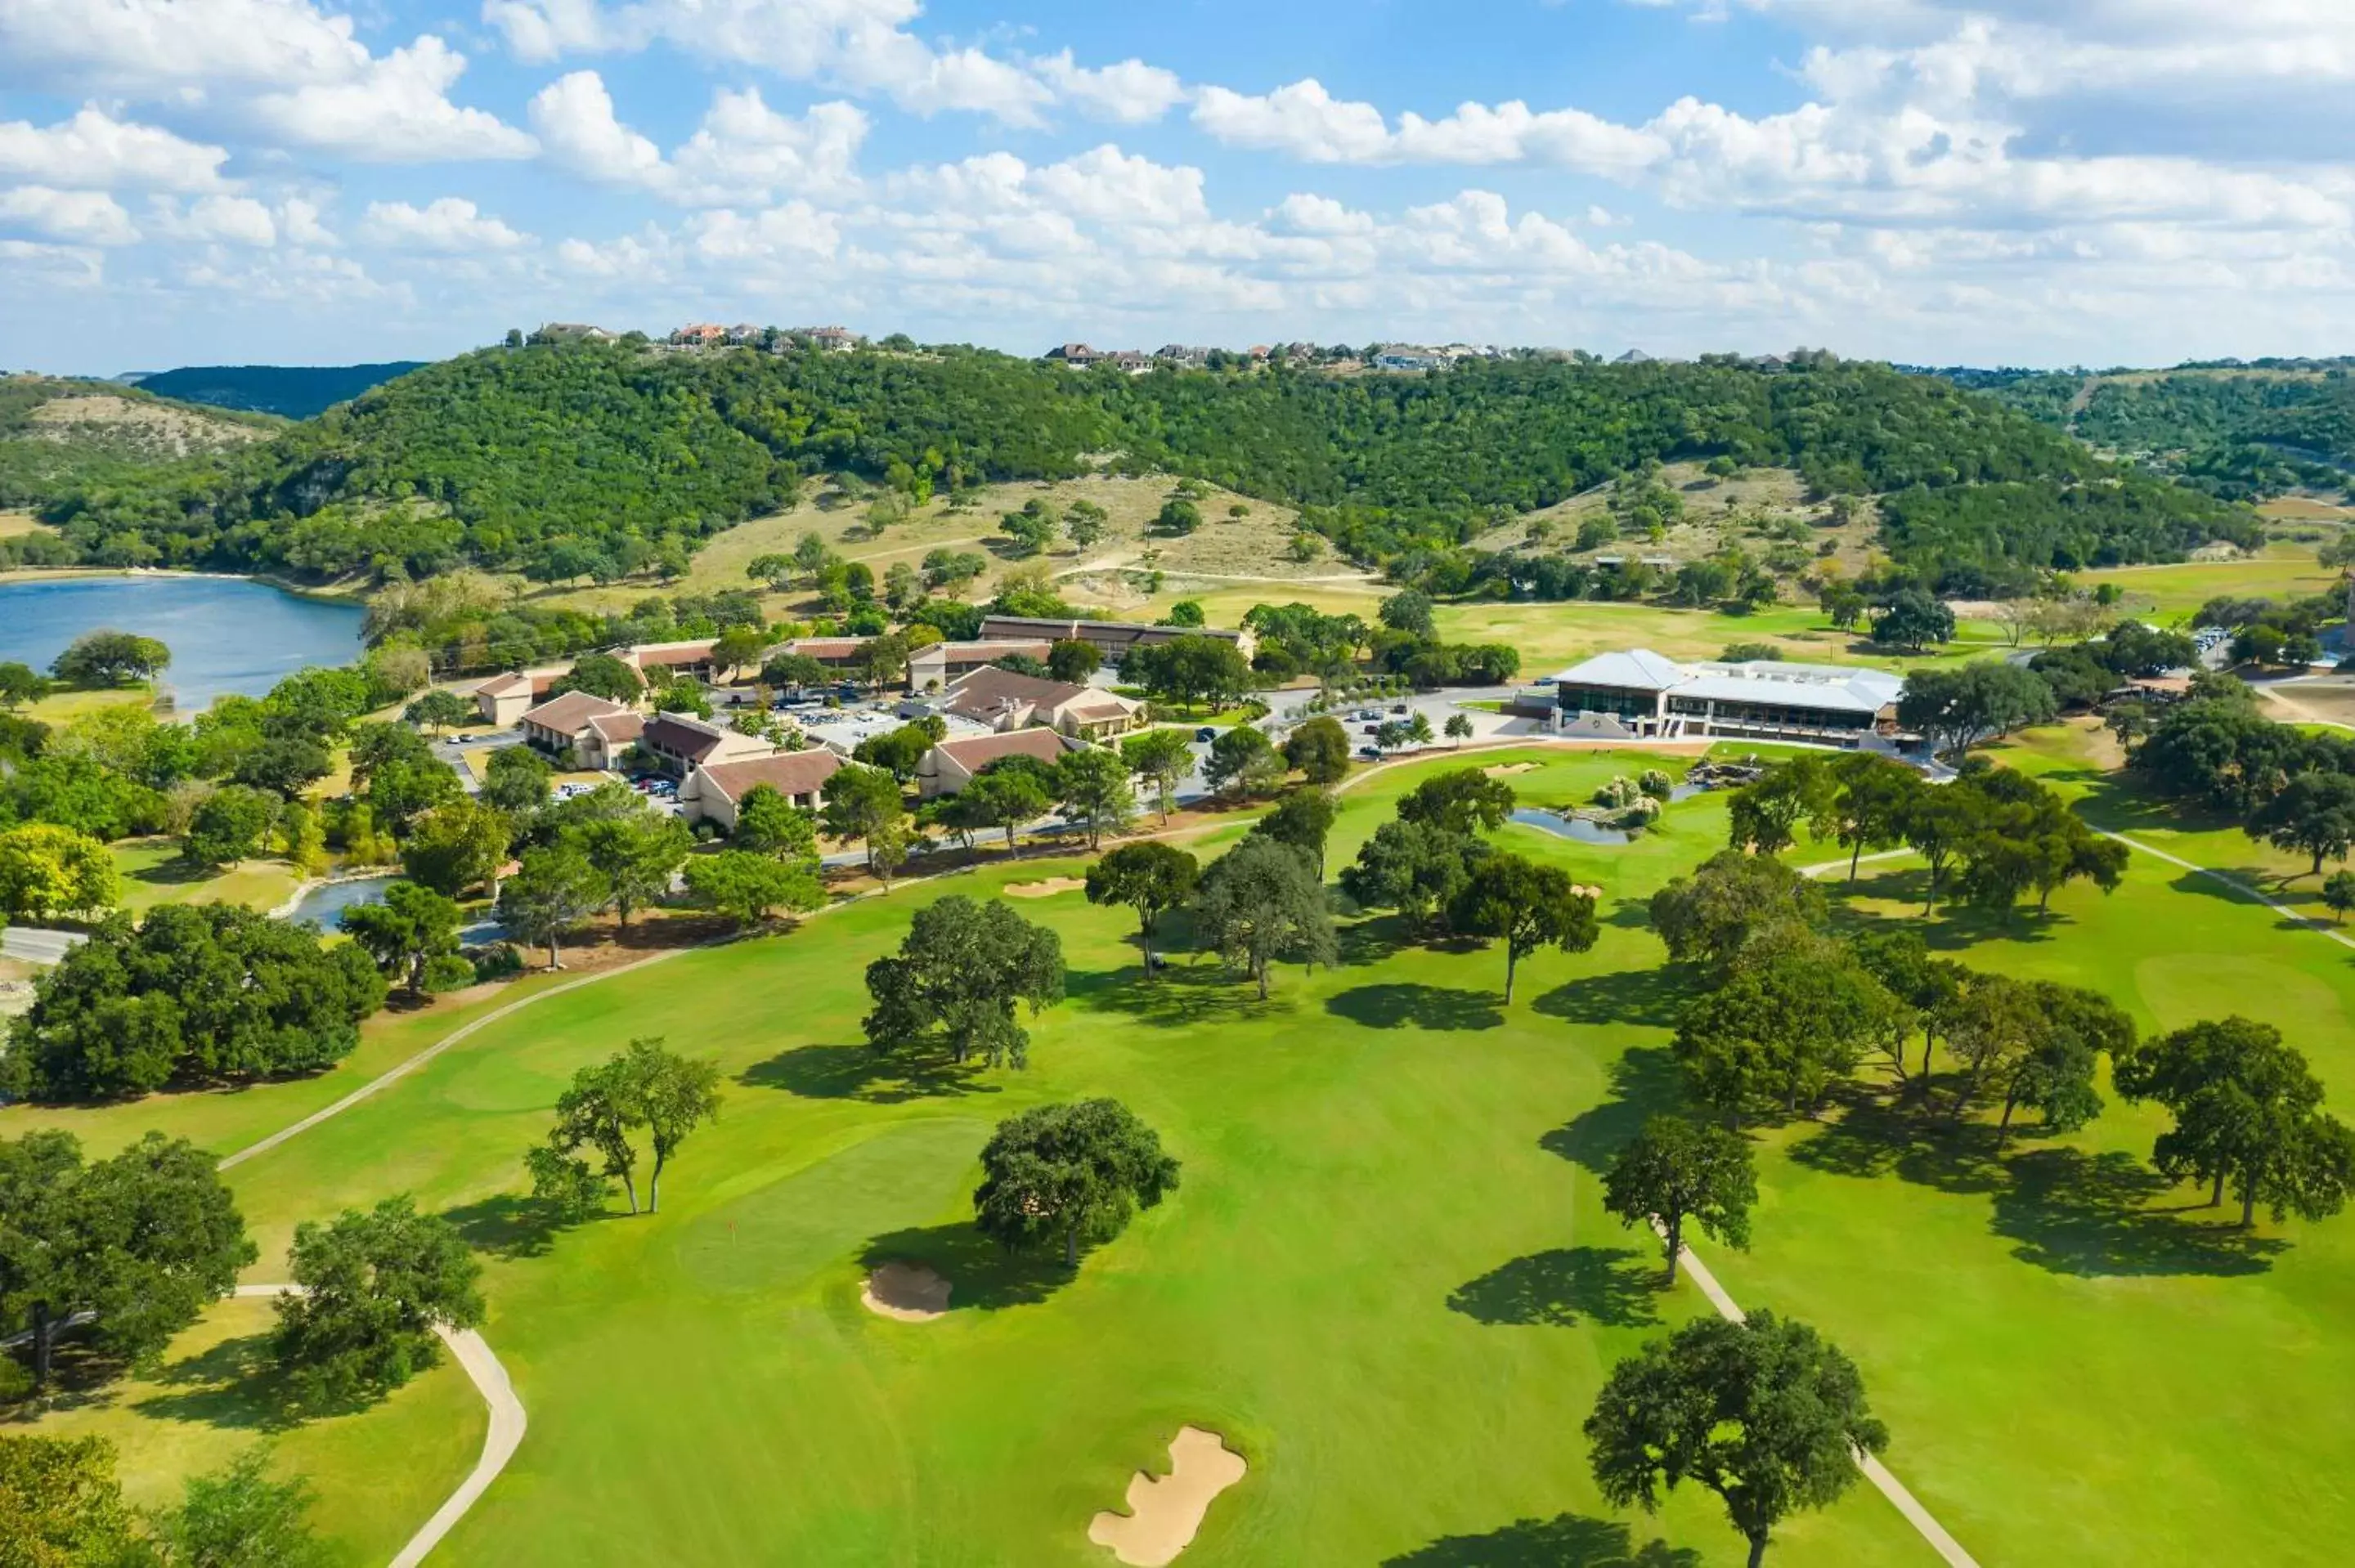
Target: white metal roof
(1833, 687)
(1636, 668)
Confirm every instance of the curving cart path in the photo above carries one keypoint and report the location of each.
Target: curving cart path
(499, 1442)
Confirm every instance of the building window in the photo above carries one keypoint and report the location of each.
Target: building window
(1609, 700)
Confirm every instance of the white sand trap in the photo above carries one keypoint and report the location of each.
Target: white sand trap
(1164, 1512)
(908, 1291)
(1502, 768)
(1046, 889)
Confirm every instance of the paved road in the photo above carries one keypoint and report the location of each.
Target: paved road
(37, 944)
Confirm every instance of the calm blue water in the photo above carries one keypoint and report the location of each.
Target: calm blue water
(226, 635)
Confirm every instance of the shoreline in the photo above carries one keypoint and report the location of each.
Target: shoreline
(328, 594)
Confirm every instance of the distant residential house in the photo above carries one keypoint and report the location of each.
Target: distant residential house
(558, 726)
(679, 743)
(744, 334)
(1400, 357)
(1129, 360)
(933, 668)
(1633, 357)
(950, 766)
(1183, 354)
(713, 790)
(1077, 355)
(831, 339)
(571, 332)
(1111, 640)
(700, 334)
(1006, 701)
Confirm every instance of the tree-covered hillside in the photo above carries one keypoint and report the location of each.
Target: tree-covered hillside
(290, 391)
(509, 458)
(2236, 431)
(57, 435)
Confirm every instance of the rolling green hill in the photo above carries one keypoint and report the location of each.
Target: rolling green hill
(290, 391)
(501, 457)
(59, 435)
(2237, 431)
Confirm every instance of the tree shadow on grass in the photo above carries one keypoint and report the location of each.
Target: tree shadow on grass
(1644, 1083)
(1180, 996)
(1564, 1287)
(509, 1224)
(863, 1073)
(980, 1273)
(2089, 1214)
(236, 1386)
(1405, 1006)
(1371, 941)
(1565, 1540)
(1877, 1135)
(1653, 997)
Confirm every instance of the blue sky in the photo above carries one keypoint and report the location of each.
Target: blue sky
(2004, 181)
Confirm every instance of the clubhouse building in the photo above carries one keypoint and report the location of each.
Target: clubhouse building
(1639, 694)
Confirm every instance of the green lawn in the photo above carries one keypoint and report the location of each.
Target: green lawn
(1550, 636)
(2280, 571)
(154, 874)
(1386, 1278)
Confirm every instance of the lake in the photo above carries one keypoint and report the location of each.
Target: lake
(226, 634)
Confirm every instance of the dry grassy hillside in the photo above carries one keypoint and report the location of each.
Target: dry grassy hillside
(1255, 549)
(1743, 509)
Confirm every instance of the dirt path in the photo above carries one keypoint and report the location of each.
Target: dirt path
(500, 1441)
(1886, 1483)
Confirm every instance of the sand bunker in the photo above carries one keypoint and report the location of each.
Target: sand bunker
(1164, 1512)
(908, 1291)
(1046, 889)
(1502, 768)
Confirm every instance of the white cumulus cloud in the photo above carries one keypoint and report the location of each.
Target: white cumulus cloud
(451, 226)
(87, 217)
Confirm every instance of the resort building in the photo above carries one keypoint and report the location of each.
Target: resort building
(679, 744)
(1111, 640)
(561, 725)
(950, 766)
(713, 790)
(503, 700)
(933, 668)
(1003, 700)
(1638, 693)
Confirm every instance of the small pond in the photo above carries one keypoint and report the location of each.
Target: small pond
(226, 634)
(324, 904)
(1567, 827)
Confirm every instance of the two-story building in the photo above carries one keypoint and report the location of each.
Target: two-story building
(951, 765)
(713, 790)
(1639, 692)
(936, 667)
(679, 743)
(1111, 640)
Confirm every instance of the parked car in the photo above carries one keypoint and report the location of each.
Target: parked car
(1370, 753)
(1373, 729)
(1206, 734)
(1397, 707)
(1369, 712)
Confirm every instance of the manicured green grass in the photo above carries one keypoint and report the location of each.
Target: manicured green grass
(1550, 636)
(381, 1473)
(1382, 1279)
(1386, 1278)
(2282, 571)
(154, 874)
